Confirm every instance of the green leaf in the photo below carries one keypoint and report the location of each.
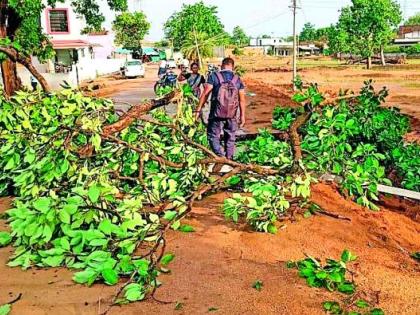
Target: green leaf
(258, 285)
(416, 256)
(167, 259)
(170, 215)
(93, 193)
(5, 309)
(53, 261)
(346, 288)
(186, 228)
(87, 276)
(70, 208)
(178, 306)
(110, 276)
(272, 229)
(347, 256)
(376, 311)
(5, 239)
(106, 226)
(134, 292)
(64, 216)
(42, 204)
(362, 304)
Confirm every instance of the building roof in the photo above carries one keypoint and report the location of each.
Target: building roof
(150, 51)
(70, 43)
(408, 29)
(123, 51)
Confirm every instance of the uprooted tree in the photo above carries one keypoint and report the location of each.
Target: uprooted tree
(96, 192)
(21, 35)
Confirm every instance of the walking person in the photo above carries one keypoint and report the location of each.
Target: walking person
(34, 83)
(227, 101)
(194, 79)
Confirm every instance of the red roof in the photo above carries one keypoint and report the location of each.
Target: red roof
(70, 43)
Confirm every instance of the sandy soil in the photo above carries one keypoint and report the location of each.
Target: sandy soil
(216, 266)
(403, 82)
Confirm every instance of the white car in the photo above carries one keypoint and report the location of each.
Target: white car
(134, 69)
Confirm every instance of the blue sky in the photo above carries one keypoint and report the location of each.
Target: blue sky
(257, 17)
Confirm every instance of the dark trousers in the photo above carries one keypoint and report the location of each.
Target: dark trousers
(214, 129)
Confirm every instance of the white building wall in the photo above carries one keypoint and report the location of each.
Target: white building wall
(76, 24)
(265, 41)
(415, 34)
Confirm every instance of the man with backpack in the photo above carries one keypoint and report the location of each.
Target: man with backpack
(227, 103)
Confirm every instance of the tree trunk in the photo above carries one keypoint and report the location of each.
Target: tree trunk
(383, 56)
(369, 62)
(11, 80)
(14, 56)
(9, 23)
(27, 62)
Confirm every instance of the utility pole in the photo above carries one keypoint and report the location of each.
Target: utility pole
(295, 48)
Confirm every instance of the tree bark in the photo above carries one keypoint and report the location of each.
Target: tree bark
(14, 56)
(369, 62)
(11, 80)
(9, 23)
(383, 56)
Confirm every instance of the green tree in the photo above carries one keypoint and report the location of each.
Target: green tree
(195, 18)
(338, 41)
(413, 20)
(130, 29)
(308, 33)
(239, 37)
(368, 25)
(198, 45)
(21, 35)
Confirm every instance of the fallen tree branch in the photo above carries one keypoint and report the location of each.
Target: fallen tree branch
(137, 111)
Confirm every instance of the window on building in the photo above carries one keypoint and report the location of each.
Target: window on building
(59, 21)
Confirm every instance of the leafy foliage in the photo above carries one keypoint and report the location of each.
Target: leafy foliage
(265, 150)
(198, 44)
(87, 211)
(130, 29)
(331, 276)
(413, 20)
(5, 309)
(197, 18)
(358, 140)
(269, 201)
(239, 37)
(334, 308)
(365, 26)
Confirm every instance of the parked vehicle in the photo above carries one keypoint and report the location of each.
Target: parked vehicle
(168, 79)
(134, 69)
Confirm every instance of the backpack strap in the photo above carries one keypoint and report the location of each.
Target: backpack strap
(220, 77)
(235, 79)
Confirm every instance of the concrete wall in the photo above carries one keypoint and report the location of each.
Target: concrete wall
(87, 70)
(105, 45)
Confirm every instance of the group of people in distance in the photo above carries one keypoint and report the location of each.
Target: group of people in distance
(227, 104)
